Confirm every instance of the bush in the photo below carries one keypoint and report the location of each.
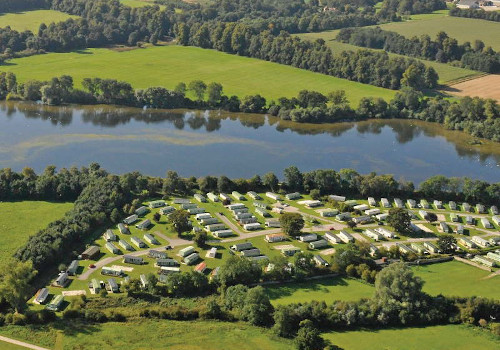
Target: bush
(71, 314)
(95, 316)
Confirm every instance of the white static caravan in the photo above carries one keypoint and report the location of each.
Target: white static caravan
(166, 262)
(496, 219)
(371, 212)
(109, 236)
(494, 210)
(55, 303)
(438, 204)
(156, 204)
(195, 211)
(312, 203)
(362, 219)
(485, 261)
(308, 238)
(144, 224)
(247, 221)
(187, 206)
(486, 223)
(236, 206)
(480, 241)
(403, 248)
(336, 198)
(460, 229)
(240, 216)
(382, 216)
(112, 248)
(273, 196)
(422, 214)
(213, 197)
(372, 202)
(141, 211)
(318, 244)
(346, 237)
(250, 252)
(262, 212)
(203, 216)
(73, 267)
(166, 270)
(398, 203)
(276, 237)
(224, 197)
(41, 296)
(452, 205)
(424, 204)
(212, 253)
(252, 226)
(292, 196)
(222, 233)
(191, 258)
(466, 206)
(156, 254)
(332, 238)
(138, 242)
(215, 227)
(494, 256)
(361, 207)
(466, 242)
(61, 280)
(431, 247)
(123, 229)
(443, 227)
(480, 208)
(181, 201)
(130, 259)
(290, 250)
(373, 250)
(385, 232)
(320, 261)
(130, 219)
(151, 239)
(494, 240)
(385, 202)
(144, 280)
(200, 198)
(343, 216)
(373, 234)
(254, 195)
(241, 246)
(167, 210)
(411, 203)
(209, 221)
(109, 271)
(419, 248)
(186, 251)
(328, 213)
(125, 245)
(454, 217)
(469, 220)
(113, 286)
(238, 196)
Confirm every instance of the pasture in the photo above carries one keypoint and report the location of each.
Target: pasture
(457, 337)
(31, 20)
(327, 290)
(462, 29)
(457, 279)
(168, 65)
(151, 335)
(447, 73)
(139, 3)
(20, 220)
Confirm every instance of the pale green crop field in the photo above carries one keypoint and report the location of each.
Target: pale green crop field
(168, 65)
(31, 20)
(139, 3)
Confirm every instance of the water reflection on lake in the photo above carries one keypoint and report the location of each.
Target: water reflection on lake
(238, 145)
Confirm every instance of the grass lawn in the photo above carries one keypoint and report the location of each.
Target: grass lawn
(139, 3)
(31, 20)
(462, 29)
(152, 335)
(19, 220)
(168, 65)
(455, 337)
(326, 290)
(457, 279)
(447, 73)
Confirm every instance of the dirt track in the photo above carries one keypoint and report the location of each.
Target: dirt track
(485, 87)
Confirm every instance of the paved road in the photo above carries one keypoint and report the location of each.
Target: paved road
(20, 343)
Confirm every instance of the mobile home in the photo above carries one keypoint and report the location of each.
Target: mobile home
(166, 262)
(156, 204)
(385, 232)
(157, 254)
(424, 204)
(252, 226)
(332, 238)
(345, 237)
(431, 247)
(276, 237)
(466, 242)
(320, 261)
(91, 252)
(123, 229)
(274, 196)
(200, 198)
(73, 267)
(55, 303)
(224, 197)
(151, 239)
(336, 198)
(398, 203)
(238, 196)
(143, 225)
(112, 248)
(438, 204)
(109, 236)
(191, 258)
(412, 204)
(480, 209)
(138, 242)
(385, 202)
(125, 245)
(308, 238)
(254, 195)
(212, 253)
(480, 241)
(41, 296)
(222, 233)
(215, 227)
(109, 271)
(141, 211)
(292, 196)
(61, 280)
(452, 205)
(186, 251)
(318, 244)
(372, 202)
(113, 286)
(250, 252)
(129, 220)
(373, 234)
(213, 197)
(241, 246)
(486, 223)
(130, 259)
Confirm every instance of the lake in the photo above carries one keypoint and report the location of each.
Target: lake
(238, 145)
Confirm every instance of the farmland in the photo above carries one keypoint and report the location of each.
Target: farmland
(19, 220)
(31, 20)
(431, 338)
(485, 87)
(153, 335)
(168, 65)
(446, 72)
(139, 3)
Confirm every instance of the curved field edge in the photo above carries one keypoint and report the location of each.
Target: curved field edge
(168, 65)
(20, 220)
(31, 20)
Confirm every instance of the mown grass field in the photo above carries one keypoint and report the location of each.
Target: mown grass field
(139, 3)
(19, 220)
(168, 65)
(31, 20)
(458, 279)
(326, 290)
(455, 337)
(462, 29)
(447, 73)
(151, 335)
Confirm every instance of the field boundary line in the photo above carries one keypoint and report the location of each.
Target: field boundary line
(21, 343)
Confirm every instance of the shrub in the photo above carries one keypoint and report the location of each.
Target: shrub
(95, 316)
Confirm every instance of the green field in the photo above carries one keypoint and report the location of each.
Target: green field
(458, 279)
(19, 220)
(31, 20)
(326, 290)
(151, 335)
(462, 29)
(168, 65)
(454, 337)
(447, 73)
(139, 3)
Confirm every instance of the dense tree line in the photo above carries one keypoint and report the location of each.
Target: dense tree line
(390, 8)
(442, 49)
(22, 5)
(475, 13)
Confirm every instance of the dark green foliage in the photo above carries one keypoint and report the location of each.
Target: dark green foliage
(475, 13)
(239, 271)
(400, 219)
(292, 223)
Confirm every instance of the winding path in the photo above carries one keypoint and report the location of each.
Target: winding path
(21, 343)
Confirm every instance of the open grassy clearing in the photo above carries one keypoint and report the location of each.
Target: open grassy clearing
(19, 220)
(462, 29)
(455, 337)
(140, 3)
(458, 279)
(31, 20)
(168, 65)
(447, 73)
(151, 335)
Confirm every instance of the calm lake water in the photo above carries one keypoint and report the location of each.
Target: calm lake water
(201, 143)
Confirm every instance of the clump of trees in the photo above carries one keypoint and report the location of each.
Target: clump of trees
(475, 13)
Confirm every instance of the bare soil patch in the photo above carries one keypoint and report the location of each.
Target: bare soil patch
(486, 87)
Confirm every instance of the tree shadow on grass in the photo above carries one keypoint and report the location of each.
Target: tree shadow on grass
(76, 327)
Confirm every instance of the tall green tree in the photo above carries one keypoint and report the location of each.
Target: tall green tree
(292, 223)
(400, 219)
(15, 279)
(180, 221)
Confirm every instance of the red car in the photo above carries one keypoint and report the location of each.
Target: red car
(92, 266)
